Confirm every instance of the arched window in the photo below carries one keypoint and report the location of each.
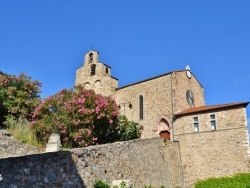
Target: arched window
(93, 69)
(141, 106)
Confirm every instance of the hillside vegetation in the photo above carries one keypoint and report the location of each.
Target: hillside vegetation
(79, 116)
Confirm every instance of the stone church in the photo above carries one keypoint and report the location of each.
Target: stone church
(172, 105)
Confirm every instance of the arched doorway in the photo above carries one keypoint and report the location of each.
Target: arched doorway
(163, 129)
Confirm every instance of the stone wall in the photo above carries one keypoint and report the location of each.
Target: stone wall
(180, 86)
(10, 147)
(157, 95)
(230, 117)
(101, 82)
(144, 162)
(214, 153)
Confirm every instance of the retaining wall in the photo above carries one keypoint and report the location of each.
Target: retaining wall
(143, 161)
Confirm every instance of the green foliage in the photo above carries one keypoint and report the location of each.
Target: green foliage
(100, 184)
(123, 184)
(148, 186)
(128, 130)
(18, 96)
(237, 181)
(21, 131)
(82, 118)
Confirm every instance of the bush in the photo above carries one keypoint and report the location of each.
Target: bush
(81, 117)
(100, 184)
(18, 97)
(128, 130)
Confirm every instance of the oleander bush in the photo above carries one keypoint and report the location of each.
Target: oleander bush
(82, 118)
(19, 96)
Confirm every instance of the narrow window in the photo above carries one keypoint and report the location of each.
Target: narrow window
(93, 69)
(141, 106)
(107, 70)
(213, 122)
(196, 124)
(91, 57)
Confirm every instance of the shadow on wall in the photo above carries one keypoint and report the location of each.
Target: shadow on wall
(47, 170)
(143, 161)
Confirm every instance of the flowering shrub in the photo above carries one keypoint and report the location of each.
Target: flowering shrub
(80, 116)
(18, 96)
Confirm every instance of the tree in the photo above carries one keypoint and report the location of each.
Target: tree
(19, 96)
(80, 116)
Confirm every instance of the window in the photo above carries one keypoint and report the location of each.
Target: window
(107, 70)
(196, 124)
(93, 69)
(213, 122)
(141, 106)
(91, 57)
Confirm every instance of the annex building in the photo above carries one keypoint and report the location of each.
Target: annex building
(213, 139)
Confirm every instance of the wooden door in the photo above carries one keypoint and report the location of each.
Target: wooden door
(165, 134)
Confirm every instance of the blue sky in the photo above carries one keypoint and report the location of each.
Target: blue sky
(139, 39)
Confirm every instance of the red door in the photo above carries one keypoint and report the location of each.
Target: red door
(165, 134)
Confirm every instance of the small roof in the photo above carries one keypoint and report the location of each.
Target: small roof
(199, 109)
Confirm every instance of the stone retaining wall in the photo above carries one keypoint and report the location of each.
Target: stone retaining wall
(214, 153)
(10, 147)
(143, 161)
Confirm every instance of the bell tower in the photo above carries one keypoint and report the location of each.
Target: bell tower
(95, 75)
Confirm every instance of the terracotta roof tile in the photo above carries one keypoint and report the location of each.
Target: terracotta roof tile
(210, 108)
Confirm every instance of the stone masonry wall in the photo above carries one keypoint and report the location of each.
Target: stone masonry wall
(101, 82)
(10, 147)
(214, 153)
(227, 118)
(143, 161)
(157, 102)
(180, 86)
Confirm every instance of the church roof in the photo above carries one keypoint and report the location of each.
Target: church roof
(200, 109)
(154, 78)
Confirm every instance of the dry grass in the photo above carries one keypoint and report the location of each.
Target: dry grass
(20, 130)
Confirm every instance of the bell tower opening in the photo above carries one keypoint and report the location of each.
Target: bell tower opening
(93, 67)
(91, 57)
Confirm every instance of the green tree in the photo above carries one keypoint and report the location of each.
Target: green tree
(19, 96)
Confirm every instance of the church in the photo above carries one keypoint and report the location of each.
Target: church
(172, 106)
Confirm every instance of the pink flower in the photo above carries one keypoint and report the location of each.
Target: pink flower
(89, 132)
(63, 131)
(97, 109)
